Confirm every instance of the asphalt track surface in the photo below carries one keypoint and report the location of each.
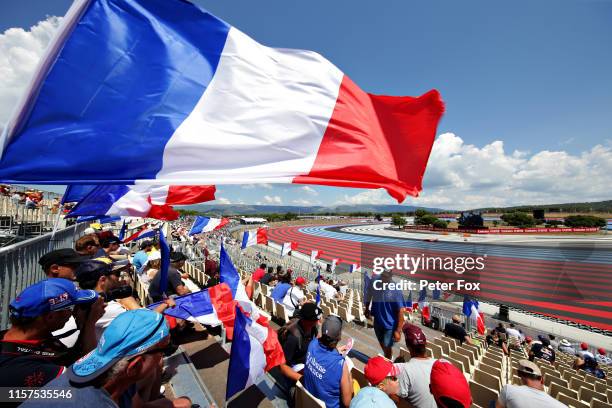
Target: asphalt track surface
(568, 282)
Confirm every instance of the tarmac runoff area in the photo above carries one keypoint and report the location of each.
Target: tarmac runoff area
(386, 230)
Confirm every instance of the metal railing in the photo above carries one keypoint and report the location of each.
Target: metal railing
(19, 266)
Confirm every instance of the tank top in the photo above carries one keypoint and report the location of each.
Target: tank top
(323, 373)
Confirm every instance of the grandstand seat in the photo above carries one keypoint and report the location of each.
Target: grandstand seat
(477, 350)
(595, 403)
(269, 305)
(492, 362)
(468, 353)
(571, 402)
(326, 310)
(344, 315)
(444, 345)
(281, 313)
(549, 379)
(587, 394)
(601, 386)
(436, 350)
(481, 395)
(304, 399)
(451, 343)
(487, 380)
(489, 369)
(359, 376)
(555, 389)
(458, 364)
(464, 360)
(576, 384)
(516, 380)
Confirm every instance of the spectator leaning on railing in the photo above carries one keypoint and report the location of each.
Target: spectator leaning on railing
(130, 350)
(29, 354)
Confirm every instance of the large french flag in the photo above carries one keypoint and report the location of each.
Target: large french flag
(168, 94)
(141, 200)
(146, 232)
(206, 224)
(254, 237)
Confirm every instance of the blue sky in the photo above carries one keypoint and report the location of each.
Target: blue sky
(533, 75)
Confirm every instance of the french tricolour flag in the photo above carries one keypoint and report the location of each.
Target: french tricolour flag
(207, 224)
(147, 232)
(471, 309)
(424, 304)
(288, 247)
(314, 255)
(335, 262)
(355, 268)
(169, 94)
(254, 237)
(140, 200)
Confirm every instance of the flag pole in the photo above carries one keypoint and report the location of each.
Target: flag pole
(55, 227)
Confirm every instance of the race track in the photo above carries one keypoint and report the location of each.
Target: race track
(566, 280)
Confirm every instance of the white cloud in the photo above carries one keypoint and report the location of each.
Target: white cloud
(20, 51)
(302, 201)
(272, 199)
(310, 190)
(461, 175)
(254, 186)
(223, 200)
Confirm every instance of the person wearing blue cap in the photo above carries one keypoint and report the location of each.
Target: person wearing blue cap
(130, 348)
(29, 354)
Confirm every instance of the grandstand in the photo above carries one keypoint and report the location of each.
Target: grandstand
(200, 365)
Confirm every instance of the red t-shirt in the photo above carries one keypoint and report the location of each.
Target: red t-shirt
(258, 274)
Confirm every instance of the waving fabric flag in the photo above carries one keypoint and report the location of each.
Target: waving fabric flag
(207, 224)
(471, 310)
(424, 304)
(141, 201)
(191, 118)
(287, 247)
(255, 350)
(314, 255)
(335, 263)
(122, 231)
(146, 232)
(254, 237)
(76, 193)
(355, 268)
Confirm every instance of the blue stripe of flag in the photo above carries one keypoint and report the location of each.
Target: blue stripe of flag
(131, 71)
(238, 370)
(198, 225)
(99, 201)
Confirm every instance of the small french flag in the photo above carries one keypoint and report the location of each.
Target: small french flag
(335, 263)
(314, 255)
(288, 247)
(424, 304)
(147, 232)
(254, 237)
(207, 224)
(355, 268)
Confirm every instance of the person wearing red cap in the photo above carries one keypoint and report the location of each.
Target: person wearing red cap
(448, 386)
(382, 376)
(602, 357)
(584, 351)
(414, 375)
(295, 296)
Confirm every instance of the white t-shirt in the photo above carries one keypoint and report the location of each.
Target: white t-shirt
(513, 333)
(328, 290)
(522, 396)
(112, 310)
(294, 296)
(584, 353)
(414, 382)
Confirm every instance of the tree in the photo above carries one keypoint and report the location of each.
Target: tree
(398, 220)
(584, 221)
(426, 219)
(420, 212)
(518, 219)
(438, 223)
(377, 217)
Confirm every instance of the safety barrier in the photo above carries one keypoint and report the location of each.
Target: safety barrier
(19, 266)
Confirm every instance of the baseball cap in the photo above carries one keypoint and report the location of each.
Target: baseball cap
(145, 244)
(300, 280)
(177, 257)
(584, 346)
(64, 256)
(601, 351)
(379, 368)
(528, 339)
(414, 335)
(332, 327)
(131, 333)
(92, 270)
(154, 256)
(309, 311)
(544, 339)
(448, 382)
(49, 295)
(529, 367)
(106, 241)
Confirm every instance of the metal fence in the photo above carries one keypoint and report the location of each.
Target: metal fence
(19, 266)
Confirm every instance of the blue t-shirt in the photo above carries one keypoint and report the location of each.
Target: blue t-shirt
(323, 373)
(279, 292)
(139, 259)
(385, 306)
(372, 397)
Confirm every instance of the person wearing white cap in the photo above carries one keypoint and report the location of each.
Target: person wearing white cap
(529, 395)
